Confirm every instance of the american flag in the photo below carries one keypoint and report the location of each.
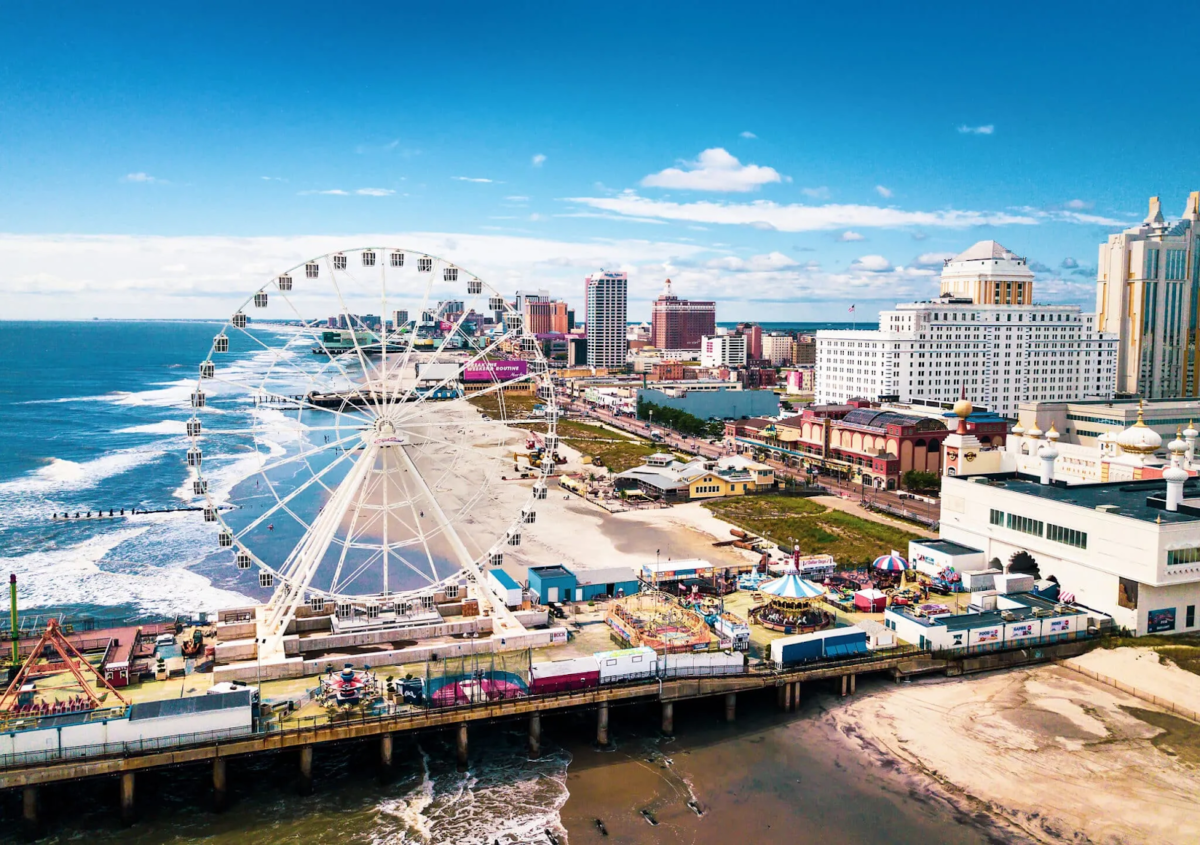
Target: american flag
(851, 309)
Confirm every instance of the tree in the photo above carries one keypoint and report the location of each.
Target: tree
(921, 482)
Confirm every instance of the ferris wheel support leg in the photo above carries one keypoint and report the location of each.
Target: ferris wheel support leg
(502, 616)
(290, 594)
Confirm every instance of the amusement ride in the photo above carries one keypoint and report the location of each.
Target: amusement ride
(382, 386)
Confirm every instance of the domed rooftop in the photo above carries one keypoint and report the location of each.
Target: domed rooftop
(1139, 438)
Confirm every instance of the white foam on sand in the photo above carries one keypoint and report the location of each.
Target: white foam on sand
(506, 799)
(80, 574)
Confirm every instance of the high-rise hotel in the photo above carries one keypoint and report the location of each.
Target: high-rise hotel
(1148, 292)
(607, 308)
(983, 335)
(680, 323)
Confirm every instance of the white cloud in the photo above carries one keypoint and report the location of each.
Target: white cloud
(976, 130)
(332, 192)
(538, 160)
(750, 136)
(932, 259)
(272, 178)
(144, 178)
(756, 264)
(883, 191)
(1063, 216)
(714, 170)
(872, 264)
(848, 236)
(143, 276)
(1077, 205)
(470, 179)
(375, 192)
(821, 193)
(599, 215)
(517, 199)
(798, 217)
(535, 217)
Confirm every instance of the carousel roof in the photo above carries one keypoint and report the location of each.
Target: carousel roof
(891, 563)
(792, 586)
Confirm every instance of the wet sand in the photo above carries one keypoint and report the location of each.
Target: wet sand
(768, 778)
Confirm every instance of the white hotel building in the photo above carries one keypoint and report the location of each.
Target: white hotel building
(983, 335)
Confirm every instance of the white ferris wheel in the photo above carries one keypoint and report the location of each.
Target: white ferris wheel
(381, 400)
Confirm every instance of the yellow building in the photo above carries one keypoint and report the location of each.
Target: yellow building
(667, 478)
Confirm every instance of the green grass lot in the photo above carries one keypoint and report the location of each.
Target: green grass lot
(1181, 649)
(818, 529)
(516, 405)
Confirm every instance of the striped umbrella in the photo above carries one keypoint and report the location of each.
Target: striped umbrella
(891, 563)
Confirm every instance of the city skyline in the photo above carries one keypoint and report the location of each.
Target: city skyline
(153, 180)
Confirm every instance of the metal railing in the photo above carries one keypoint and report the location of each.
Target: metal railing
(1013, 645)
(409, 717)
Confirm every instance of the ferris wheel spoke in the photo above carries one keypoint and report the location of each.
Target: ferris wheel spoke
(311, 378)
(404, 362)
(281, 503)
(362, 358)
(316, 338)
(304, 456)
(421, 533)
(457, 327)
(474, 359)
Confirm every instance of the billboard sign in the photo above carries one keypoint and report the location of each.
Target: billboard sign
(1158, 621)
(495, 370)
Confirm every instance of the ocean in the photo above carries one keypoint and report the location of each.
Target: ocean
(93, 418)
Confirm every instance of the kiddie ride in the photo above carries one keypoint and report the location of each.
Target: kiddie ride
(349, 689)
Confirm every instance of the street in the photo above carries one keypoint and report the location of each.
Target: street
(889, 500)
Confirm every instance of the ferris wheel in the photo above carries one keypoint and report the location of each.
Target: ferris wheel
(381, 390)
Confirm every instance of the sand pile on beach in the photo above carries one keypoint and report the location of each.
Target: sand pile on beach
(1061, 757)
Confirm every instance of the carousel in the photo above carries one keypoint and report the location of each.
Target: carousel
(791, 606)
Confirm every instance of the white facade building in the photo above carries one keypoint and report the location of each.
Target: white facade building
(723, 350)
(607, 309)
(1001, 355)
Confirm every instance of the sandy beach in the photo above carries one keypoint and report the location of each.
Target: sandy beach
(1059, 756)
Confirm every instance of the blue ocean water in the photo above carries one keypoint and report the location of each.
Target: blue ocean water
(93, 418)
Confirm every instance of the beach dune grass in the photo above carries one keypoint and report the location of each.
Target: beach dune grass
(817, 528)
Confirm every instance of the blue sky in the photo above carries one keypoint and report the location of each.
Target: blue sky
(785, 160)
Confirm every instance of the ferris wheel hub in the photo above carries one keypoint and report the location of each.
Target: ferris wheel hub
(384, 433)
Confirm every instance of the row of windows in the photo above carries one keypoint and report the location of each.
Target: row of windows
(1068, 536)
(1025, 525)
(1178, 556)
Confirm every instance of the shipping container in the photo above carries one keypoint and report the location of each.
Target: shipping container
(702, 664)
(832, 644)
(626, 664)
(502, 584)
(563, 675)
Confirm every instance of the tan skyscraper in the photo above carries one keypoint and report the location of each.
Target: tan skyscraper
(1148, 292)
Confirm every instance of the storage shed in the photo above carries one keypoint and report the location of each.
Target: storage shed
(503, 584)
(551, 583)
(611, 582)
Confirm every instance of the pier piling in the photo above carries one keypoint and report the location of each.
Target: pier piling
(128, 798)
(730, 706)
(845, 684)
(668, 718)
(787, 698)
(781, 693)
(385, 757)
(462, 746)
(602, 724)
(535, 735)
(29, 810)
(306, 765)
(795, 695)
(219, 784)
(853, 678)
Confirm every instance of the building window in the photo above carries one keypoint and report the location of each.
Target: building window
(1025, 525)
(1189, 618)
(997, 517)
(1176, 557)
(1068, 536)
